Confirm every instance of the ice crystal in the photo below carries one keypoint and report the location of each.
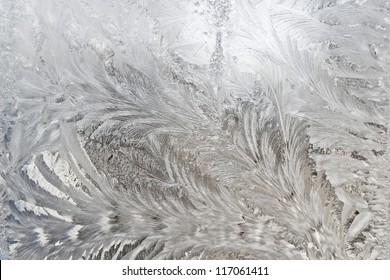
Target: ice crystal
(207, 129)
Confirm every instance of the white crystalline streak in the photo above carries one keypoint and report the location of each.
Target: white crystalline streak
(61, 168)
(73, 232)
(22, 205)
(358, 224)
(34, 174)
(42, 236)
(25, 206)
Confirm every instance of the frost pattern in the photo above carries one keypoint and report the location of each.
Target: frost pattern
(201, 129)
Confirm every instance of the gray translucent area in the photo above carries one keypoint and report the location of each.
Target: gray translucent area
(199, 129)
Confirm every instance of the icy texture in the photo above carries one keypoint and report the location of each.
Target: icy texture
(194, 129)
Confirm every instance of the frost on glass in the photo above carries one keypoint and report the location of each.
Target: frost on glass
(202, 129)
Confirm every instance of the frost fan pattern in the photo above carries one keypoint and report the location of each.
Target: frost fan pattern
(200, 129)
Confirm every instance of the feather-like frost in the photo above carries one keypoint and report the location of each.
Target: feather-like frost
(194, 130)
